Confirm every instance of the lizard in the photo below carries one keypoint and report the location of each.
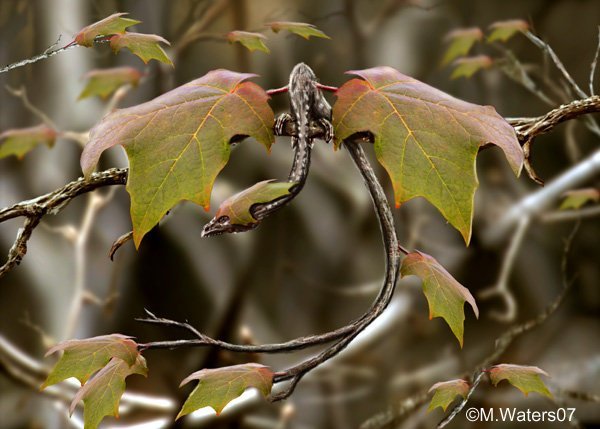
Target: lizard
(309, 111)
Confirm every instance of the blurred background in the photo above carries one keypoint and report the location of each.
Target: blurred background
(317, 264)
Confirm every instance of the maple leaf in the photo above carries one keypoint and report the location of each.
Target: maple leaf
(446, 391)
(104, 82)
(19, 142)
(468, 66)
(82, 358)
(446, 296)
(426, 139)
(101, 395)
(301, 29)
(114, 24)
(217, 387)
(179, 142)
(461, 41)
(237, 207)
(525, 378)
(577, 198)
(145, 46)
(504, 30)
(251, 41)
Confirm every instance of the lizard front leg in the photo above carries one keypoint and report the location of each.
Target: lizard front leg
(328, 136)
(281, 123)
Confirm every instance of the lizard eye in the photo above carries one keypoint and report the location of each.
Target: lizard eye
(223, 220)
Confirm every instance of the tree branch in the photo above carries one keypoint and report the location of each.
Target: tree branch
(52, 203)
(49, 52)
(392, 253)
(529, 128)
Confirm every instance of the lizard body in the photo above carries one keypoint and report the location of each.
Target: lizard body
(308, 107)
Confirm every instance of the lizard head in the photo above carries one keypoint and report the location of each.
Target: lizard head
(302, 76)
(222, 225)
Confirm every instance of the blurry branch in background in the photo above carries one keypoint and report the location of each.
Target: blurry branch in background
(361, 31)
(594, 65)
(80, 242)
(501, 287)
(536, 203)
(21, 93)
(197, 30)
(567, 215)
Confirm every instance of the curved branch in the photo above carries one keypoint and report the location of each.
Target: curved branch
(392, 253)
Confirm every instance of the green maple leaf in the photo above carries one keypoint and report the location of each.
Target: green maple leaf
(102, 394)
(19, 142)
(114, 24)
(446, 296)
(237, 207)
(217, 387)
(179, 142)
(504, 30)
(577, 198)
(525, 378)
(251, 41)
(82, 358)
(301, 29)
(446, 391)
(426, 139)
(104, 82)
(468, 66)
(145, 46)
(460, 43)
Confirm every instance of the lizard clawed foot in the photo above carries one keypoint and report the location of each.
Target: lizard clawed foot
(281, 123)
(328, 136)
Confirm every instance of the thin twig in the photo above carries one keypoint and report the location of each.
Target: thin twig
(196, 30)
(501, 287)
(594, 64)
(391, 418)
(94, 204)
(118, 243)
(557, 62)
(568, 215)
(21, 93)
(537, 202)
(49, 52)
(591, 123)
